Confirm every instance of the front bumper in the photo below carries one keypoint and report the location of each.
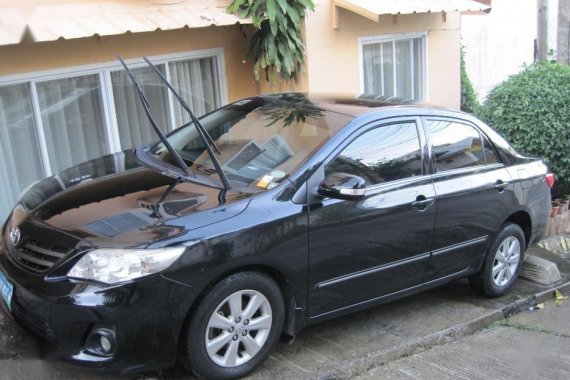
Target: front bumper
(145, 315)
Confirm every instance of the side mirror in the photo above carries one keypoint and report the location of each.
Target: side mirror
(342, 186)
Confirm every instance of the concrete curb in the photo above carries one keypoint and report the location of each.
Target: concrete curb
(362, 364)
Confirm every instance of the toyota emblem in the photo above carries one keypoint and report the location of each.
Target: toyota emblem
(15, 236)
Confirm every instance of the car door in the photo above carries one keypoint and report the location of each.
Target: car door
(473, 191)
(362, 250)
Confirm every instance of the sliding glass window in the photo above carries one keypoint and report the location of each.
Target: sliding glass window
(133, 125)
(20, 162)
(51, 121)
(393, 67)
(72, 119)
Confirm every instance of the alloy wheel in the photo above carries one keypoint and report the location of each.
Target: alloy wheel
(506, 261)
(238, 328)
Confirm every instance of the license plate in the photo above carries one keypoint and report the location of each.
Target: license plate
(6, 290)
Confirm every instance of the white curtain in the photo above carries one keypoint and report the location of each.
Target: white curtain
(378, 69)
(388, 69)
(134, 126)
(197, 82)
(20, 162)
(372, 78)
(72, 117)
(419, 82)
(404, 69)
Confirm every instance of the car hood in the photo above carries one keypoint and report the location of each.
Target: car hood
(115, 201)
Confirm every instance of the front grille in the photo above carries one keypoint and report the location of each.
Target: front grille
(39, 256)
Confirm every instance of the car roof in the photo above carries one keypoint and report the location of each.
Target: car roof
(357, 105)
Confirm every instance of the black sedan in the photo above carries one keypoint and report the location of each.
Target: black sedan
(265, 216)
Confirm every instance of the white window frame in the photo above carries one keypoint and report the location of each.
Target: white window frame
(103, 70)
(368, 40)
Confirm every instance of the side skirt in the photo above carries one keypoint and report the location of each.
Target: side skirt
(390, 297)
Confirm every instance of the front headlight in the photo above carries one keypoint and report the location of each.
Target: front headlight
(117, 265)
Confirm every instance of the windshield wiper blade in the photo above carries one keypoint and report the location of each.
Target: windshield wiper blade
(161, 136)
(183, 104)
(206, 138)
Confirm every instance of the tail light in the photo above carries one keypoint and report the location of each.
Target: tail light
(550, 180)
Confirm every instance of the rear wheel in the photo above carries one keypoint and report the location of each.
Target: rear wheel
(502, 263)
(234, 327)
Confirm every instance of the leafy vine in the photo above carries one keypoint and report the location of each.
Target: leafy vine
(276, 45)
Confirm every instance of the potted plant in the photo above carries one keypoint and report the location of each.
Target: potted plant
(555, 208)
(563, 205)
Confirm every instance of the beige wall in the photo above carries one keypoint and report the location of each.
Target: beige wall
(29, 57)
(333, 57)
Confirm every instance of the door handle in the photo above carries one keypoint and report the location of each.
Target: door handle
(500, 185)
(421, 202)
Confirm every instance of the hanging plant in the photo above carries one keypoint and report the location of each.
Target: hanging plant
(275, 46)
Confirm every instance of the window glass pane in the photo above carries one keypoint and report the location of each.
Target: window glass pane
(197, 82)
(133, 124)
(72, 118)
(372, 69)
(383, 154)
(455, 145)
(20, 162)
(418, 82)
(256, 138)
(490, 156)
(399, 63)
(388, 69)
(404, 69)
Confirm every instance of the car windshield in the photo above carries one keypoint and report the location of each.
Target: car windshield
(261, 140)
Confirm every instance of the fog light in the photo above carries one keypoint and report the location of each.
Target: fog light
(101, 341)
(105, 344)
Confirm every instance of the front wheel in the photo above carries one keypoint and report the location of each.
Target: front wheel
(234, 327)
(502, 263)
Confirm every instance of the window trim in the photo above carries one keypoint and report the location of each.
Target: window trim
(103, 72)
(467, 170)
(40, 131)
(70, 71)
(368, 40)
(484, 139)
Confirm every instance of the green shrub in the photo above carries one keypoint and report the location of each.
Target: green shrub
(532, 110)
(469, 102)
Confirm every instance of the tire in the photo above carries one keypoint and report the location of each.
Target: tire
(235, 348)
(502, 263)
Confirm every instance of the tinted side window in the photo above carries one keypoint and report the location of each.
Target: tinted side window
(455, 145)
(383, 154)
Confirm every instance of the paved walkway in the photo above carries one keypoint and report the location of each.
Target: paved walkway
(531, 345)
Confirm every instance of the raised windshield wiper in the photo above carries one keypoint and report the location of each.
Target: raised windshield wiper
(206, 138)
(183, 104)
(161, 136)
